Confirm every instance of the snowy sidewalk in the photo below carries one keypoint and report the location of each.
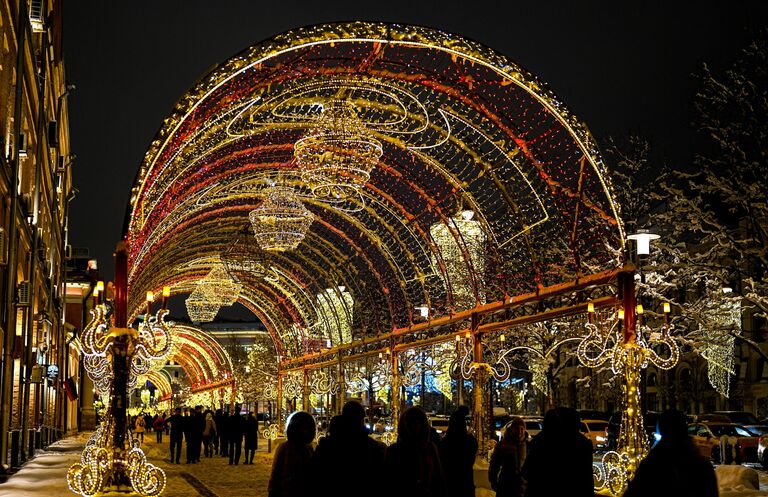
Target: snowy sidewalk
(45, 474)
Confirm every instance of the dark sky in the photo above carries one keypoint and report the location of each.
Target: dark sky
(622, 67)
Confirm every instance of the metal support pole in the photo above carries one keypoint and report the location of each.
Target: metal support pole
(305, 391)
(395, 407)
(342, 393)
(632, 439)
(279, 400)
(479, 383)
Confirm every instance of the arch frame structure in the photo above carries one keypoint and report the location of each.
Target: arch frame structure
(473, 201)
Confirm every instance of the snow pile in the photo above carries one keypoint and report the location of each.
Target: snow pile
(737, 481)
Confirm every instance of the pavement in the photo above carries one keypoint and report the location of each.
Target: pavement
(45, 474)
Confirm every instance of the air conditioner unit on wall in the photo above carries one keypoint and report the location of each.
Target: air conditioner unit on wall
(24, 294)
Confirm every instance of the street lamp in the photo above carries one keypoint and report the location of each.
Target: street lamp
(643, 239)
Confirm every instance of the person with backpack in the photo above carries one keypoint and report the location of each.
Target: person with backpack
(159, 426)
(139, 427)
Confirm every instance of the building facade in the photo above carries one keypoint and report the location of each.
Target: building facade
(36, 187)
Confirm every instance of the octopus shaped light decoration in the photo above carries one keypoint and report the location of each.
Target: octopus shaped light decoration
(281, 221)
(105, 460)
(497, 365)
(338, 154)
(604, 343)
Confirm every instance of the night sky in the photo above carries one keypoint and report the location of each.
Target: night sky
(621, 67)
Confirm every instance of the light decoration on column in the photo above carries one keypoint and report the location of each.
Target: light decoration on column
(721, 322)
(281, 221)
(461, 242)
(100, 459)
(338, 154)
(603, 344)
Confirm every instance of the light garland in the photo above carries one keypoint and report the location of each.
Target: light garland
(281, 221)
(337, 156)
(721, 321)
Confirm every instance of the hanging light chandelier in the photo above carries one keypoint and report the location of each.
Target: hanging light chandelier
(281, 222)
(201, 309)
(337, 156)
(243, 256)
(218, 286)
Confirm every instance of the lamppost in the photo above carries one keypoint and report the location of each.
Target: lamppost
(627, 342)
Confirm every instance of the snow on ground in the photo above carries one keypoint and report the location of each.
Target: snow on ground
(46, 473)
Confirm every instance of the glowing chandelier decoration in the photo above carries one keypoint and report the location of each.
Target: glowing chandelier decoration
(218, 286)
(104, 460)
(337, 156)
(281, 221)
(603, 343)
(245, 257)
(200, 309)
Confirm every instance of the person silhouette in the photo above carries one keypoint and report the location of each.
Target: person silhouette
(674, 467)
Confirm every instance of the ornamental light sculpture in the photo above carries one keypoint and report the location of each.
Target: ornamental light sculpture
(338, 154)
(281, 221)
(629, 344)
(112, 353)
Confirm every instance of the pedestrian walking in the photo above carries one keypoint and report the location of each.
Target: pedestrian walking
(224, 434)
(218, 419)
(159, 425)
(139, 428)
(458, 451)
(209, 434)
(346, 453)
(189, 435)
(292, 466)
(251, 433)
(560, 435)
(197, 433)
(235, 436)
(505, 468)
(176, 426)
(412, 464)
(674, 467)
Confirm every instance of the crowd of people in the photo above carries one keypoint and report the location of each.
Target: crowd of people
(205, 433)
(557, 461)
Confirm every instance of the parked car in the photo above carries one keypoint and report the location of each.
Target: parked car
(533, 426)
(594, 430)
(708, 437)
(499, 422)
(439, 423)
(650, 419)
(593, 414)
(745, 419)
